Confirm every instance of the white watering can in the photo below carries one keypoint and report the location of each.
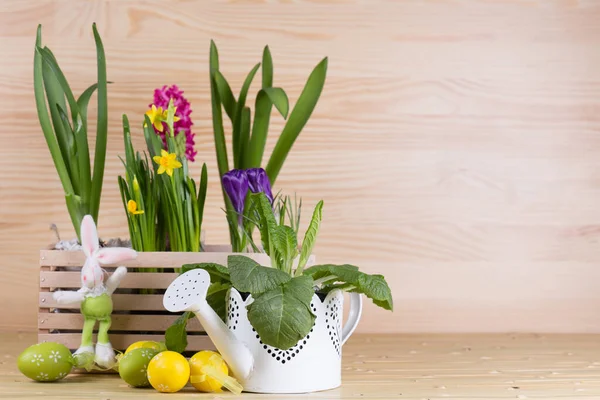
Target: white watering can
(313, 364)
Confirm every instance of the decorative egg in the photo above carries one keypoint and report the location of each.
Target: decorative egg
(147, 344)
(45, 362)
(168, 372)
(133, 366)
(201, 366)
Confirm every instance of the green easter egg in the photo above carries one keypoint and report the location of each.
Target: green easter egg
(133, 366)
(45, 362)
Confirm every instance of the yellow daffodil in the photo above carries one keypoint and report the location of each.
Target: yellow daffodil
(157, 116)
(168, 162)
(132, 208)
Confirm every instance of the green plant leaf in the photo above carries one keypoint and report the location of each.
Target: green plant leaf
(202, 189)
(279, 98)
(262, 115)
(282, 315)
(249, 276)
(217, 272)
(345, 272)
(219, 133)
(81, 135)
(176, 334)
(267, 222)
(267, 68)
(238, 121)
(376, 288)
(50, 61)
(101, 128)
(83, 101)
(71, 152)
(310, 237)
(46, 125)
(56, 101)
(244, 136)
(286, 243)
(351, 279)
(298, 118)
(226, 95)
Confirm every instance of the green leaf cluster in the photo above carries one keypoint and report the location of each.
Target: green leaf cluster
(173, 205)
(280, 311)
(249, 133)
(63, 119)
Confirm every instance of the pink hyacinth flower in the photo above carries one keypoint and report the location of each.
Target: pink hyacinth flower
(183, 111)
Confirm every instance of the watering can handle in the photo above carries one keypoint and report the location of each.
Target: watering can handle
(353, 316)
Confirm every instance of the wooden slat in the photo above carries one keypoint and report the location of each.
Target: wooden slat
(131, 302)
(121, 342)
(120, 322)
(146, 259)
(133, 280)
(217, 254)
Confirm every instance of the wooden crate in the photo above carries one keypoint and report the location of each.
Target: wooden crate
(136, 316)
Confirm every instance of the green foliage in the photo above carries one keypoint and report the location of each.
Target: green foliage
(249, 276)
(67, 138)
(139, 185)
(282, 315)
(349, 278)
(249, 133)
(310, 237)
(217, 272)
(176, 334)
(173, 206)
(285, 244)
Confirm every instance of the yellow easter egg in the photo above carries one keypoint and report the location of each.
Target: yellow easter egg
(168, 372)
(146, 344)
(201, 377)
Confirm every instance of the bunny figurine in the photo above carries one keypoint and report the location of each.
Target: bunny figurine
(95, 294)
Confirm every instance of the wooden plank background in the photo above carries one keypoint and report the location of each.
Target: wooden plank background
(455, 143)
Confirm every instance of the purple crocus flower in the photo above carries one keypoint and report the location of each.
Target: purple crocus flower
(259, 182)
(235, 184)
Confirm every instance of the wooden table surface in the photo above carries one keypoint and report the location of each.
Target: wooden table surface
(384, 367)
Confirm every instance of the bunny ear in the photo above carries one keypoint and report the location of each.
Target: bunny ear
(113, 255)
(89, 236)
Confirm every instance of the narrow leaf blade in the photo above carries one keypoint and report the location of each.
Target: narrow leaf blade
(101, 127)
(298, 118)
(225, 94)
(310, 237)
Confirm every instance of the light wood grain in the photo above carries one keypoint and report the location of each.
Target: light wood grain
(122, 341)
(454, 144)
(412, 367)
(130, 322)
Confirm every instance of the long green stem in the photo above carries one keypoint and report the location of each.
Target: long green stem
(101, 128)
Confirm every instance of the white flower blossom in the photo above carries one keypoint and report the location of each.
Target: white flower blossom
(42, 376)
(55, 355)
(37, 359)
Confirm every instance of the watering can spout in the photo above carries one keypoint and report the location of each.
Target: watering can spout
(234, 352)
(188, 293)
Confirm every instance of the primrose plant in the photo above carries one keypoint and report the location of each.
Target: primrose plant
(282, 292)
